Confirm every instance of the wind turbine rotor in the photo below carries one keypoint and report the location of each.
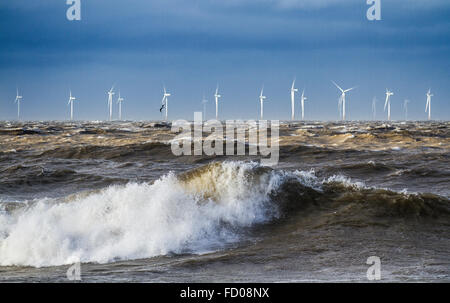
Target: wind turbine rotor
(293, 89)
(337, 86)
(347, 90)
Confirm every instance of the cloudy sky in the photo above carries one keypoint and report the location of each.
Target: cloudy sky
(191, 45)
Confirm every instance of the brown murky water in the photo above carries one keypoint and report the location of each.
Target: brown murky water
(113, 196)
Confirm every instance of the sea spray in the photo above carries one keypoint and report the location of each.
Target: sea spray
(202, 210)
(139, 220)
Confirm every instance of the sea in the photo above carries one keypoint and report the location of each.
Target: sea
(113, 198)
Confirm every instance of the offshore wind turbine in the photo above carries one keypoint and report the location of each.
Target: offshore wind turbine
(428, 106)
(18, 100)
(302, 102)
(119, 101)
(261, 100)
(293, 91)
(388, 103)
(405, 107)
(216, 97)
(204, 101)
(165, 102)
(71, 99)
(110, 102)
(374, 108)
(342, 98)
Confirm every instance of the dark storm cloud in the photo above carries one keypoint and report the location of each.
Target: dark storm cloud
(214, 26)
(324, 38)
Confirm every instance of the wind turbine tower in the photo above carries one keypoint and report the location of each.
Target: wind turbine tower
(302, 102)
(261, 100)
(293, 91)
(71, 99)
(405, 106)
(110, 102)
(216, 97)
(374, 108)
(342, 98)
(18, 100)
(165, 101)
(204, 101)
(119, 101)
(388, 103)
(428, 106)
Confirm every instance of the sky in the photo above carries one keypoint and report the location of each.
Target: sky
(191, 46)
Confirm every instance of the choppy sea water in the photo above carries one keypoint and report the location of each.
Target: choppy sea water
(114, 197)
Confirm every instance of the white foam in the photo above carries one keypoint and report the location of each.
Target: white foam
(135, 221)
(308, 178)
(145, 220)
(346, 182)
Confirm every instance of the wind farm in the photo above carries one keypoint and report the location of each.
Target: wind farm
(342, 104)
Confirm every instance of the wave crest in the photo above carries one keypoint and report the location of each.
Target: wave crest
(202, 210)
(172, 215)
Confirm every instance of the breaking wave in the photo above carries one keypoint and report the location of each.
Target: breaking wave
(200, 211)
(139, 220)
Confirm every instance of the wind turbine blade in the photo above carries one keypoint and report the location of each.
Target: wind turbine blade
(347, 90)
(337, 86)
